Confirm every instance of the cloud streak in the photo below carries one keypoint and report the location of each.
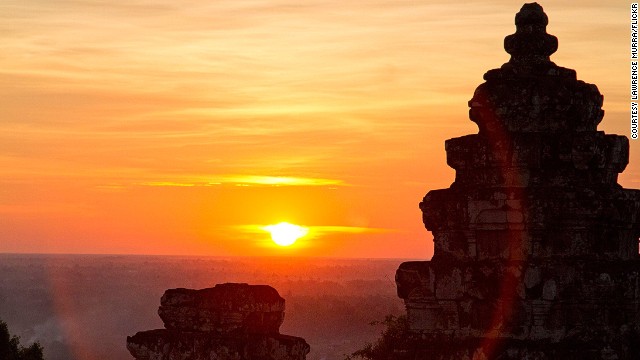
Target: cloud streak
(249, 180)
(316, 230)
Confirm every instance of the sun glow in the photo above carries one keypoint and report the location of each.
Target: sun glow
(285, 234)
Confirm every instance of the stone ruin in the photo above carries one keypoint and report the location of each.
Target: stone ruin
(227, 322)
(535, 243)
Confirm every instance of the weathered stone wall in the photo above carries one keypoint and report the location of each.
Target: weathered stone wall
(523, 300)
(536, 245)
(226, 322)
(224, 309)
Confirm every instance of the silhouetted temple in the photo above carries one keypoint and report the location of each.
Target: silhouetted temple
(227, 322)
(536, 244)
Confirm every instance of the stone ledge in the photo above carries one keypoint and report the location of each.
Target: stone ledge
(223, 309)
(194, 345)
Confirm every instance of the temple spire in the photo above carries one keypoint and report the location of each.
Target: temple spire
(535, 242)
(530, 93)
(530, 44)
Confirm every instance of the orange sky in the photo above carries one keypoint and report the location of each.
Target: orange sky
(178, 127)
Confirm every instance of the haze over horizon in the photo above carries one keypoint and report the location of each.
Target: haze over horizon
(156, 127)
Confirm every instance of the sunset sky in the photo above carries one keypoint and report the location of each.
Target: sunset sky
(183, 127)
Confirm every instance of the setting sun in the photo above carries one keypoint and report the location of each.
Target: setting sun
(285, 234)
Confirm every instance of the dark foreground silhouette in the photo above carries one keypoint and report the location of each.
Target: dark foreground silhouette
(536, 244)
(227, 322)
(11, 349)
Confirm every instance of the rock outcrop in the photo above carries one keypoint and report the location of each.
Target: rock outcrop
(226, 322)
(536, 245)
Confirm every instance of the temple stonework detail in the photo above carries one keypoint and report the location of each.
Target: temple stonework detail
(535, 243)
(226, 322)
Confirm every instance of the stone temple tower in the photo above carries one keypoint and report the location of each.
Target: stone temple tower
(536, 244)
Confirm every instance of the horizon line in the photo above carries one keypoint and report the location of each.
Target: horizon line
(213, 256)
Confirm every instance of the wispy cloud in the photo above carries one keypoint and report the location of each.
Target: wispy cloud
(249, 180)
(317, 230)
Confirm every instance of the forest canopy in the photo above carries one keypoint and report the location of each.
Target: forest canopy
(11, 349)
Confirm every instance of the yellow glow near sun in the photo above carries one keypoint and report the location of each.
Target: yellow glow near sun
(285, 234)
